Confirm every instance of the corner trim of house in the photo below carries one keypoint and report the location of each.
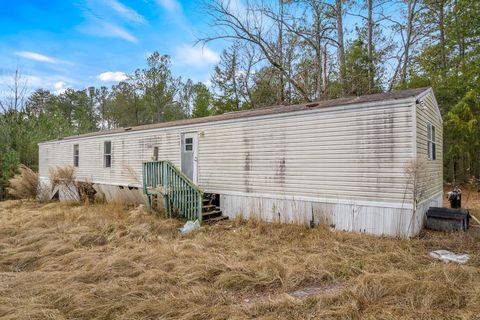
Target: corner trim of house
(431, 198)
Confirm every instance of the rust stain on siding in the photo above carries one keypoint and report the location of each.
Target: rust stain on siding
(281, 164)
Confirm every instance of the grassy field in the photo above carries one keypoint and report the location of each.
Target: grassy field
(67, 261)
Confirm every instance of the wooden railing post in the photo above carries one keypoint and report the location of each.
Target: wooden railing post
(199, 207)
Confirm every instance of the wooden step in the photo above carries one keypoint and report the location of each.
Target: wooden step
(215, 220)
(211, 214)
(208, 207)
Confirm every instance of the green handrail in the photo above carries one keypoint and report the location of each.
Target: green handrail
(163, 178)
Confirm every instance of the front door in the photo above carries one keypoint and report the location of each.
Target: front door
(189, 155)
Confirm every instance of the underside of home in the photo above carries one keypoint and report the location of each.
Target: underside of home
(368, 164)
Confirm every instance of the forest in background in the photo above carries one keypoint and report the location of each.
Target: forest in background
(280, 52)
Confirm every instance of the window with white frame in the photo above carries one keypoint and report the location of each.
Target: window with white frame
(107, 154)
(76, 155)
(432, 154)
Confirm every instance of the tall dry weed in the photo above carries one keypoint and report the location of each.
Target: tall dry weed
(24, 185)
(62, 176)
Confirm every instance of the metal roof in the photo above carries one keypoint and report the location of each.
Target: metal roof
(387, 96)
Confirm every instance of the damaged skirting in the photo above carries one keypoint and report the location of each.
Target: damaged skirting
(107, 192)
(348, 216)
(121, 194)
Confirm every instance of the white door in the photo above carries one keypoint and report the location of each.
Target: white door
(189, 155)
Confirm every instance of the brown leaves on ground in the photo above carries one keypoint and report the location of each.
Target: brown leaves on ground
(67, 261)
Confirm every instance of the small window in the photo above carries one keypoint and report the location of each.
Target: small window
(188, 144)
(431, 143)
(76, 154)
(155, 153)
(107, 154)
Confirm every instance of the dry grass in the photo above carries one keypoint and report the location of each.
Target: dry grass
(67, 261)
(62, 175)
(24, 185)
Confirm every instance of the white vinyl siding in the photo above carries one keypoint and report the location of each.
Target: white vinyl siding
(129, 151)
(347, 153)
(431, 177)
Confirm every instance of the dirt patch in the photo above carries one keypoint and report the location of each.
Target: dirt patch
(316, 289)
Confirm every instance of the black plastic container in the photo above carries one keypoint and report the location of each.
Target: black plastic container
(447, 219)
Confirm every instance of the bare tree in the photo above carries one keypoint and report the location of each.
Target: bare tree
(253, 26)
(340, 43)
(372, 13)
(15, 97)
(314, 26)
(441, 28)
(371, 81)
(281, 89)
(411, 32)
(437, 10)
(417, 182)
(250, 57)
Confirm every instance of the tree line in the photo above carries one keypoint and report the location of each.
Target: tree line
(281, 52)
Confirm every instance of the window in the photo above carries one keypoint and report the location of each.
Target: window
(76, 154)
(432, 154)
(107, 154)
(188, 144)
(155, 153)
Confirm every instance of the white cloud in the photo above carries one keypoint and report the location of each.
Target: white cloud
(126, 12)
(60, 87)
(98, 27)
(111, 76)
(169, 5)
(35, 56)
(115, 31)
(196, 56)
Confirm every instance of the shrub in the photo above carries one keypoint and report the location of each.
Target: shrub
(24, 185)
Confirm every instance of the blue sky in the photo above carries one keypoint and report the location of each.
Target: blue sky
(59, 43)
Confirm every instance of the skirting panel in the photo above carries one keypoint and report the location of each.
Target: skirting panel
(121, 194)
(348, 217)
(107, 192)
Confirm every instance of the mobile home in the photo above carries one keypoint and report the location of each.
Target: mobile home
(368, 164)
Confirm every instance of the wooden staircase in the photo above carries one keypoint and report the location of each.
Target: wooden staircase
(210, 211)
(161, 179)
